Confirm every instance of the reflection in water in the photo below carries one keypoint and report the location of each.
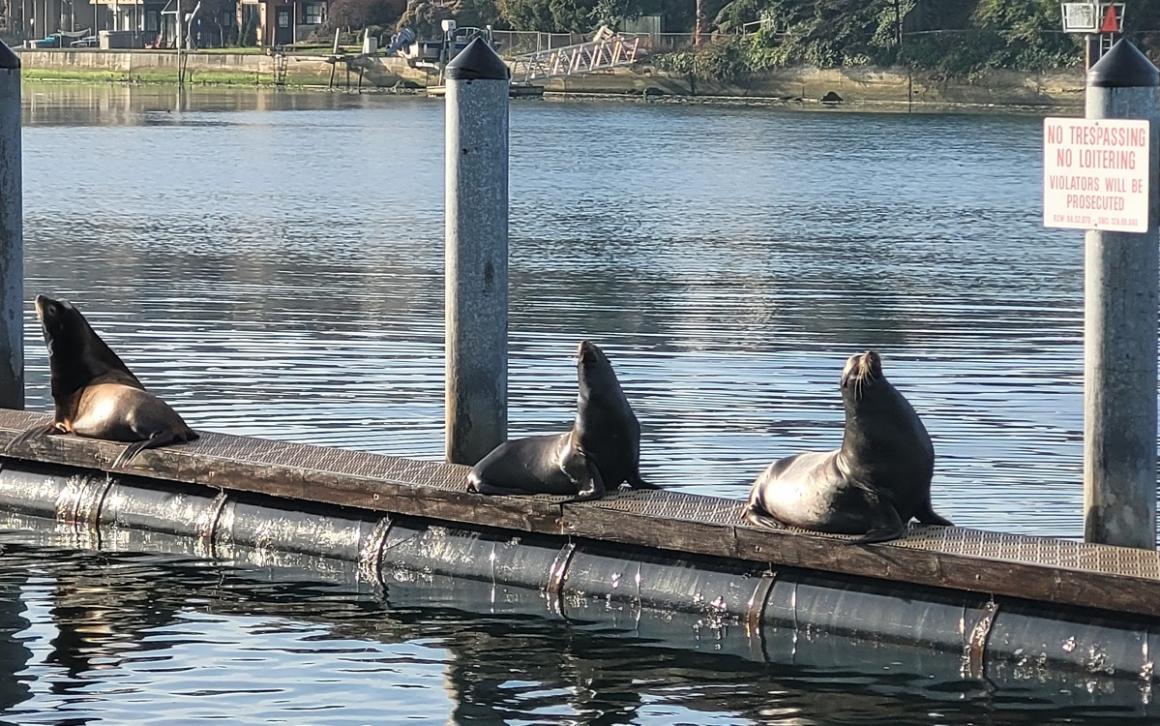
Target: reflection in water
(14, 651)
(146, 637)
(271, 263)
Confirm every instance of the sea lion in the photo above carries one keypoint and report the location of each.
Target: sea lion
(601, 451)
(873, 485)
(94, 393)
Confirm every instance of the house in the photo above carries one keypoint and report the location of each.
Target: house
(34, 19)
(142, 17)
(152, 23)
(272, 23)
(139, 22)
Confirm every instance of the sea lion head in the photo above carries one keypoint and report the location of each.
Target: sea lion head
(77, 356)
(884, 440)
(592, 367)
(596, 378)
(590, 354)
(62, 324)
(860, 374)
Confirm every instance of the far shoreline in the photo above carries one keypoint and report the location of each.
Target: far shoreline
(862, 89)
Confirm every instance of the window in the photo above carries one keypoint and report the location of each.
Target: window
(312, 13)
(152, 21)
(283, 18)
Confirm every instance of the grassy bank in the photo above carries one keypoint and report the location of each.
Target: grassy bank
(160, 76)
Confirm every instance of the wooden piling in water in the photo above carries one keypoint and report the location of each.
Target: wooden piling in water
(11, 235)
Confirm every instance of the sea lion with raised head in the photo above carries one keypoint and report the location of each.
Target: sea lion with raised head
(874, 485)
(600, 452)
(94, 393)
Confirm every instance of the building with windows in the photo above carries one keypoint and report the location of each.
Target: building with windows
(273, 23)
(152, 23)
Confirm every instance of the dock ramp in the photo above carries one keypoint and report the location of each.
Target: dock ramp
(607, 49)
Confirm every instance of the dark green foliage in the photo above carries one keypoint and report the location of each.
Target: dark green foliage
(955, 37)
(552, 16)
(358, 14)
(477, 13)
(425, 17)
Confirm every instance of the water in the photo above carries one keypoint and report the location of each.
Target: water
(272, 265)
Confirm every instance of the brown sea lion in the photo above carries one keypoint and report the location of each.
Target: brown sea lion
(874, 485)
(94, 393)
(601, 451)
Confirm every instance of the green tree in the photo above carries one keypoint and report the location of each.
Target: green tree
(551, 16)
(362, 13)
(1029, 30)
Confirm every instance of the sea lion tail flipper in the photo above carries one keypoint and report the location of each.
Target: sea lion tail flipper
(477, 485)
(31, 433)
(760, 519)
(927, 515)
(882, 534)
(155, 440)
(636, 482)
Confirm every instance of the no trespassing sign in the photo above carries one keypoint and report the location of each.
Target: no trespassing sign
(1095, 174)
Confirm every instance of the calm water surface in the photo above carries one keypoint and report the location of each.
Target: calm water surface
(272, 265)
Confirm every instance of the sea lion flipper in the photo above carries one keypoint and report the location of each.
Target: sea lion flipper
(636, 482)
(877, 535)
(32, 433)
(755, 516)
(584, 474)
(478, 485)
(491, 490)
(927, 515)
(156, 439)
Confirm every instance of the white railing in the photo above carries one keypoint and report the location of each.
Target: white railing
(606, 49)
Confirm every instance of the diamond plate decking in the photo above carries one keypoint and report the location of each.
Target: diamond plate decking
(1035, 568)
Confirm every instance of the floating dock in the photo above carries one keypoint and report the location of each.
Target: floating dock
(977, 600)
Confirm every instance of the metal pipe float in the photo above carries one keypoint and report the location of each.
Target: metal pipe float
(419, 605)
(784, 614)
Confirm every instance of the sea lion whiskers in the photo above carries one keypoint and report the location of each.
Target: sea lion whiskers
(862, 370)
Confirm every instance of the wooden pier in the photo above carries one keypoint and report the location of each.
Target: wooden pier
(1044, 570)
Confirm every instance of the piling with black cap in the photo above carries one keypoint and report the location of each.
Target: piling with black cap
(476, 275)
(11, 235)
(1120, 329)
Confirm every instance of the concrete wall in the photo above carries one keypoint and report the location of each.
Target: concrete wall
(209, 67)
(857, 87)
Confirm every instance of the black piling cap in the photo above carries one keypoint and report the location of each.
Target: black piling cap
(477, 62)
(8, 60)
(1124, 66)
